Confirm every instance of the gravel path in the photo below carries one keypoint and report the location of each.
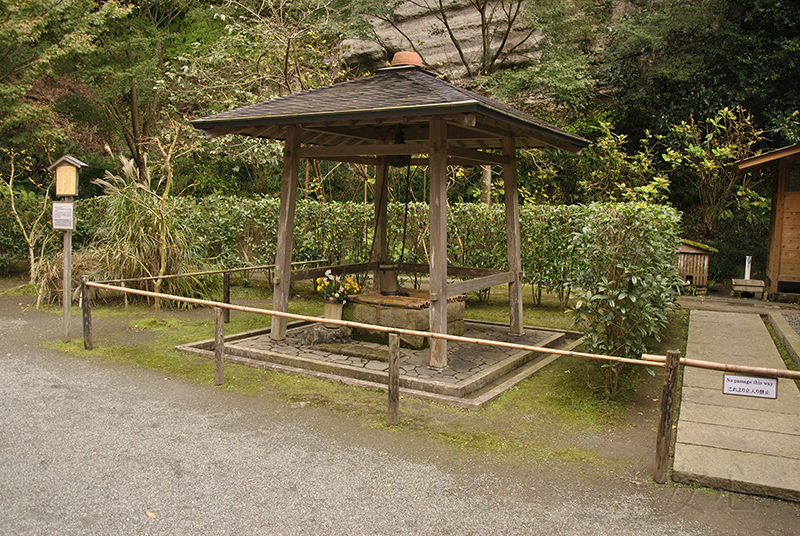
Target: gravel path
(794, 321)
(89, 447)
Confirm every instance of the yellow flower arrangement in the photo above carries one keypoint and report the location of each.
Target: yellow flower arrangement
(334, 287)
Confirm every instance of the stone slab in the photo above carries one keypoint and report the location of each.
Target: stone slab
(743, 444)
(391, 312)
(745, 419)
(741, 472)
(732, 436)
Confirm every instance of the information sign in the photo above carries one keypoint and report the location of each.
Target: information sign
(750, 386)
(63, 215)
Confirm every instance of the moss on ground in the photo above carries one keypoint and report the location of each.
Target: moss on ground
(549, 416)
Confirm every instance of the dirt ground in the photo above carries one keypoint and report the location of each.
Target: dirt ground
(612, 485)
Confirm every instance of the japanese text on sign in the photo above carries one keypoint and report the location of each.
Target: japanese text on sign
(63, 215)
(750, 386)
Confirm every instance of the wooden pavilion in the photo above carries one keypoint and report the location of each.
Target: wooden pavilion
(783, 254)
(401, 114)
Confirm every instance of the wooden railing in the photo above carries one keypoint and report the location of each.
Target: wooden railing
(672, 361)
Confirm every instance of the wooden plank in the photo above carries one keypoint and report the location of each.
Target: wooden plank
(668, 398)
(283, 255)
(226, 295)
(339, 269)
(477, 157)
(789, 270)
(791, 256)
(472, 285)
(776, 224)
(438, 239)
(372, 149)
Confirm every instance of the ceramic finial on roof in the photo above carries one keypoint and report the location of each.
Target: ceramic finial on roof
(406, 57)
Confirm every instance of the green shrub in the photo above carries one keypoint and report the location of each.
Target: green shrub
(547, 260)
(627, 279)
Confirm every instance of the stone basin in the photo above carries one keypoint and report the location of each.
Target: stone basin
(409, 311)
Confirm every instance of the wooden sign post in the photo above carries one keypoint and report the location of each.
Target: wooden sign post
(66, 169)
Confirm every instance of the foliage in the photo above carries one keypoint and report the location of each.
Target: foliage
(665, 61)
(606, 172)
(29, 210)
(547, 260)
(653, 61)
(627, 280)
(147, 233)
(704, 153)
(335, 287)
(561, 82)
(35, 37)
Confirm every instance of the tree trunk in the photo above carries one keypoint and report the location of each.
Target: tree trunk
(486, 185)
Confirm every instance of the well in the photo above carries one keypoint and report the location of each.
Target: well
(409, 311)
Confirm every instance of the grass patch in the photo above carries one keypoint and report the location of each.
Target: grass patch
(546, 417)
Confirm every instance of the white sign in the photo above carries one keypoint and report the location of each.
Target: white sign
(750, 386)
(63, 215)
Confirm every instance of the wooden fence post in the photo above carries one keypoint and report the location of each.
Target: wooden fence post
(86, 305)
(219, 347)
(394, 379)
(226, 295)
(668, 399)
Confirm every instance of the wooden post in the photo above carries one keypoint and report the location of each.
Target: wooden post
(86, 304)
(668, 399)
(513, 237)
(438, 234)
(219, 347)
(393, 417)
(380, 251)
(66, 296)
(283, 254)
(226, 295)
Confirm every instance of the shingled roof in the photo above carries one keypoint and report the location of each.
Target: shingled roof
(371, 110)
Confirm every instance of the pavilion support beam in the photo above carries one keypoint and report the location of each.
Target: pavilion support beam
(438, 246)
(283, 255)
(380, 249)
(513, 237)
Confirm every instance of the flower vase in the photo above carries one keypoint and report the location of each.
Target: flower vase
(333, 311)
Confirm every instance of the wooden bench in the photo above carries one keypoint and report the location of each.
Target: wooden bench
(755, 286)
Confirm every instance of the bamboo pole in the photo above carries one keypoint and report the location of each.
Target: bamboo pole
(209, 272)
(728, 367)
(383, 329)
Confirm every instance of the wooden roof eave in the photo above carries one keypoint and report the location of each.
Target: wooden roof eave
(470, 115)
(756, 163)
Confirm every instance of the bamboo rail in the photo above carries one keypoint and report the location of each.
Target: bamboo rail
(208, 272)
(384, 329)
(672, 361)
(728, 367)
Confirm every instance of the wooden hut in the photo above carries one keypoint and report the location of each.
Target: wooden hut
(783, 255)
(693, 262)
(401, 115)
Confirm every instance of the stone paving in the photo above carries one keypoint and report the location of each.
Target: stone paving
(465, 360)
(739, 443)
